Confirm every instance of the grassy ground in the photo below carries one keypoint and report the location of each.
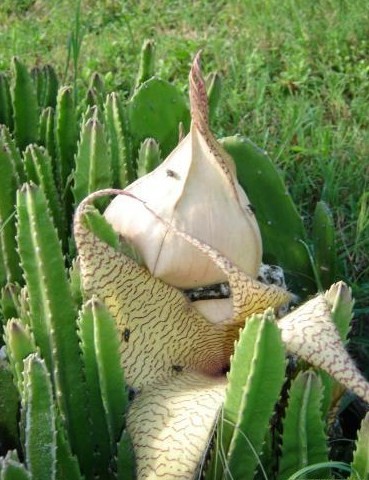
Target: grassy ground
(295, 81)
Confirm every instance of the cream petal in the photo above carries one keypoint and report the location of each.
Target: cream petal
(196, 191)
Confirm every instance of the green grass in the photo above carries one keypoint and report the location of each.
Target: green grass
(295, 81)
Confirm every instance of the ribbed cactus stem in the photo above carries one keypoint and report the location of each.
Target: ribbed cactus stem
(6, 109)
(10, 302)
(53, 315)
(7, 141)
(111, 377)
(148, 157)
(9, 182)
(9, 398)
(93, 162)
(47, 138)
(38, 164)
(304, 440)
(123, 170)
(25, 106)
(11, 469)
(147, 63)
(96, 91)
(324, 245)
(38, 77)
(20, 343)
(66, 131)
(257, 371)
(51, 86)
(108, 397)
(98, 418)
(40, 423)
(360, 464)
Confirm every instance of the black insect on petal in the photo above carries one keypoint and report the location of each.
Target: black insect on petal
(126, 334)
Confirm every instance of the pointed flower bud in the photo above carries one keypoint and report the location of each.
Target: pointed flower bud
(196, 190)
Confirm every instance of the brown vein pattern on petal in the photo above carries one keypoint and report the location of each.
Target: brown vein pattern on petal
(161, 332)
(310, 333)
(170, 424)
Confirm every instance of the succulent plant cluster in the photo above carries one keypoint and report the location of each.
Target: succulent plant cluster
(108, 371)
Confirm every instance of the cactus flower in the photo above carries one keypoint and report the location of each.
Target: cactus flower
(195, 190)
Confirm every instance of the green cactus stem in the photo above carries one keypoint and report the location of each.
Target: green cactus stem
(257, 372)
(99, 425)
(93, 162)
(123, 170)
(39, 168)
(47, 138)
(6, 108)
(9, 399)
(66, 463)
(53, 315)
(97, 82)
(304, 441)
(38, 78)
(46, 84)
(339, 298)
(96, 91)
(105, 379)
(324, 245)
(9, 182)
(66, 131)
(147, 63)
(11, 469)
(40, 428)
(10, 303)
(8, 142)
(20, 343)
(25, 106)
(148, 157)
(111, 378)
(360, 463)
(75, 284)
(125, 460)
(51, 87)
